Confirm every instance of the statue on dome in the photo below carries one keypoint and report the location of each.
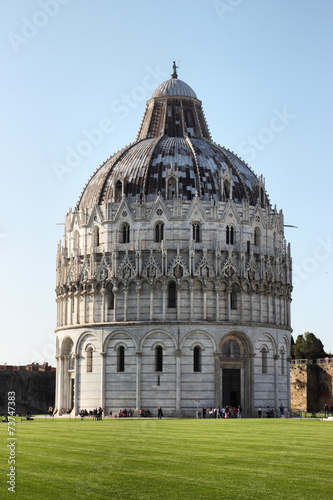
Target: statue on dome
(174, 68)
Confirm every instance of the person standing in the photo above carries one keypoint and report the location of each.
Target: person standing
(281, 410)
(159, 413)
(259, 411)
(326, 409)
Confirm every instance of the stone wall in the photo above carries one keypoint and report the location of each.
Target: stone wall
(311, 385)
(34, 390)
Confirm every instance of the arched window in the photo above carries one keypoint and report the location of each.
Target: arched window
(257, 236)
(110, 296)
(158, 359)
(197, 359)
(264, 354)
(196, 231)
(110, 300)
(89, 359)
(159, 232)
(234, 297)
(229, 235)
(121, 359)
(226, 190)
(171, 188)
(126, 233)
(118, 191)
(96, 236)
(172, 295)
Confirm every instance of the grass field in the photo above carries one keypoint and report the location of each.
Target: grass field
(170, 459)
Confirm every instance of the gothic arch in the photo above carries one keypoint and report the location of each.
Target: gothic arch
(242, 340)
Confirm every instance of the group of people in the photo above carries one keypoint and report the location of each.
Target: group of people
(96, 414)
(122, 413)
(224, 412)
(270, 412)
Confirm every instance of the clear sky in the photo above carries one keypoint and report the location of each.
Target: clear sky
(263, 69)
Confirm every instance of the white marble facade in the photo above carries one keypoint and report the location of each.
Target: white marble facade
(174, 277)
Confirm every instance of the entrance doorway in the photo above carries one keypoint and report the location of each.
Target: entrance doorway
(231, 387)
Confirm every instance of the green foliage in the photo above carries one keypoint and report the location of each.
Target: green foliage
(171, 459)
(308, 346)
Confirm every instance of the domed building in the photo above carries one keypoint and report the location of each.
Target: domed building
(174, 277)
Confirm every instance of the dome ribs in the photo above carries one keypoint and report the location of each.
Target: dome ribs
(200, 192)
(173, 134)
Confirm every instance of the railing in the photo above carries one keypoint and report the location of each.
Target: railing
(324, 360)
(319, 361)
(301, 361)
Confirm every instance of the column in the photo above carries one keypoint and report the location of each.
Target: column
(251, 306)
(217, 295)
(191, 303)
(241, 305)
(103, 355)
(138, 302)
(85, 305)
(274, 309)
(288, 384)
(228, 304)
(58, 384)
(164, 291)
(250, 399)
(93, 293)
(70, 297)
(76, 383)
(115, 293)
(178, 301)
(103, 304)
(178, 354)
(204, 304)
(138, 379)
(151, 303)
(125, 302)
(77, 296)
(217, 379)
(276, 382)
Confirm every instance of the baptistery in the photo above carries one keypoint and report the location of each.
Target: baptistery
(174, 277)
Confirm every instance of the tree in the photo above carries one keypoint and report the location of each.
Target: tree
(308, 346)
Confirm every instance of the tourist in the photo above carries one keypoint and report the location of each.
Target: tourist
(204, 409)
(281, 410)
(159, 413)
(326, 409)
(259, 411)
(239, 411)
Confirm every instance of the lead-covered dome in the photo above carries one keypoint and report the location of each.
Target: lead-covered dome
(174, 87)
(173, 136)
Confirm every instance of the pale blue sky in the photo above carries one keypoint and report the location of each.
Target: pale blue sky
(263, 70)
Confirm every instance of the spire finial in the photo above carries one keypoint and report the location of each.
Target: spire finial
(174, 67)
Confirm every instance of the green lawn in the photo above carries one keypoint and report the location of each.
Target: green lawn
(170, 459)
